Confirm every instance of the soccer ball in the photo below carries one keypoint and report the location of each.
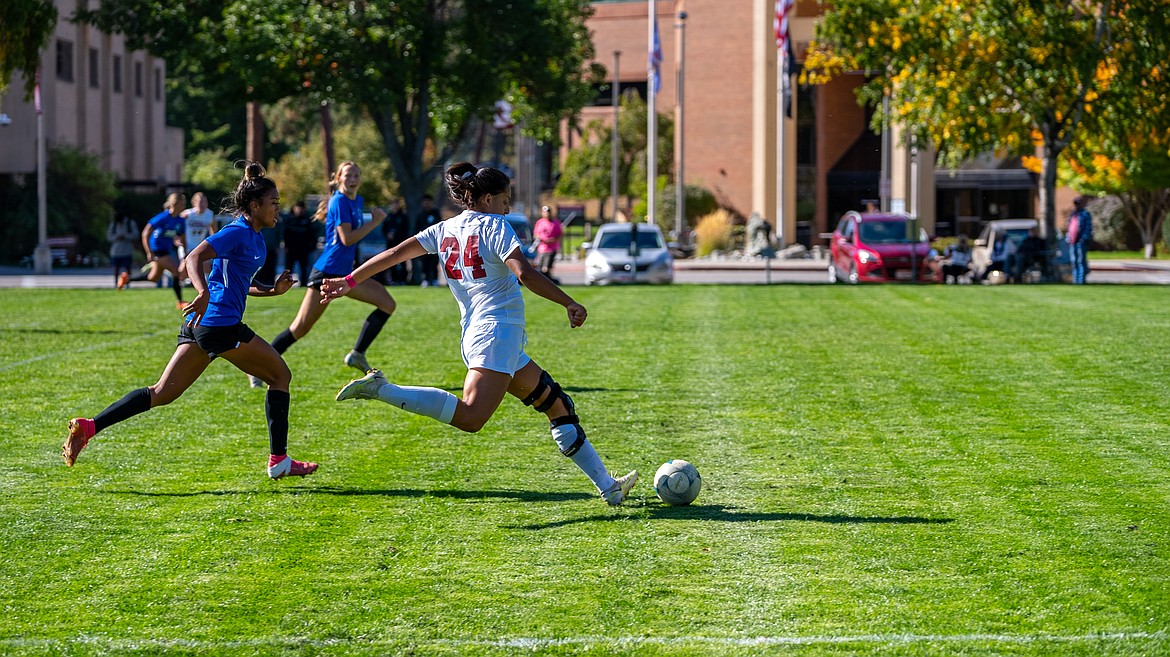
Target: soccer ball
(677, 482)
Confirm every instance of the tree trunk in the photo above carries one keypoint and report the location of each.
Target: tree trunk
(327, 139)
(1048, 191)
(254, 146)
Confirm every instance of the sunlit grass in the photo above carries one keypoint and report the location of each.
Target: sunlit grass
(887, 470)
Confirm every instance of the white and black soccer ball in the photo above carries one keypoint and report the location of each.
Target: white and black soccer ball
(677, 482)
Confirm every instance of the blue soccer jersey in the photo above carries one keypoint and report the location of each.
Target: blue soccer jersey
(166, 227)
(239, 254)
(337, 259)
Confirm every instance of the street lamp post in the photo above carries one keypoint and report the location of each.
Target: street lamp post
(680, 207)
(613, 165)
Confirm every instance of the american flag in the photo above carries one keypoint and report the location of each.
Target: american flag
(655, 60)
(781, 23)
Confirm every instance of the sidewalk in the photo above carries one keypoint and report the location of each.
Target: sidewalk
(103, 277)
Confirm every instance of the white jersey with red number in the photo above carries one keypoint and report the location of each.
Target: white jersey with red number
(472, 247)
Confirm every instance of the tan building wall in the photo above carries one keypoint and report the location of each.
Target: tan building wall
(126, 128)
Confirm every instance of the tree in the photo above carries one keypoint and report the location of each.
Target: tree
(421, 69)
(1006, 76)
(25, 28)
(586, 173)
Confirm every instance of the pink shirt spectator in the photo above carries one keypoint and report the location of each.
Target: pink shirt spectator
(548, 231)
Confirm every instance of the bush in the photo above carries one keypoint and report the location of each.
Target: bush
(713, 233)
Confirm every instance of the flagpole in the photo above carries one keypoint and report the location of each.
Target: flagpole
(651, 116)
(42, 256)
(780, 166)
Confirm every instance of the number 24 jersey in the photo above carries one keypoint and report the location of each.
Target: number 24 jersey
(472, 247)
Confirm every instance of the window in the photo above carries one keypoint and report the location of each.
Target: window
(117, 66)
(138, 79)
(93, 68)
(64, 60)
(157, 84)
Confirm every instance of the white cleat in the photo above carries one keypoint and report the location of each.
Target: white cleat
(357, 360)
(621, 487)
(364, 388)
(255, 381)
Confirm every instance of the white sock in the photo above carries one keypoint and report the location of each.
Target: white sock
(431, 402)
(586, 457)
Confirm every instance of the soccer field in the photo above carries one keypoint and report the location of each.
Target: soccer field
(891, 470)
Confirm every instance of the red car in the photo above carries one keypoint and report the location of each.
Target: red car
(878, 248)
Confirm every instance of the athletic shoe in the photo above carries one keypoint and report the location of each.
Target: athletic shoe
(180, 304)
(621, 487)
(357, 360)
(80, 431)
(123, 280)
(255, 381)
(364, 388)
(288, 467)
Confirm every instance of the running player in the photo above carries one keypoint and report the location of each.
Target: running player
(483, 260)
(344, 228)
(200, 222)
(213, 327)
(160, 239)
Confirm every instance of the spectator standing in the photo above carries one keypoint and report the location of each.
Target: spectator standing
(548, 233)
(394, 229)
(1080, 233)
(121, 234)
(272, 236)
(300, 240)
(427, 273)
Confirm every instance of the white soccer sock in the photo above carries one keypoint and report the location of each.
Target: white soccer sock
(586, 457)
(431, 402)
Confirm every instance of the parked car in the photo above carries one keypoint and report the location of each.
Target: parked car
(628, 253)
(875, 247)
(1015, 229)
(523, 229)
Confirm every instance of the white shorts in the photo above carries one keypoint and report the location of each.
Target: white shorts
(495, 347)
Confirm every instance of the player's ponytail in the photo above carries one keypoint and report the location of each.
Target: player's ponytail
(252, 187)
(468, 183)
(334, 183)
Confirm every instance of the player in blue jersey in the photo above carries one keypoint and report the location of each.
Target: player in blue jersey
(485, 266)
(161, 237)
(213, 327)
(344, 228)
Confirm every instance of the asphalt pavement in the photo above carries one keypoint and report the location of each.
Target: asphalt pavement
(704, 271)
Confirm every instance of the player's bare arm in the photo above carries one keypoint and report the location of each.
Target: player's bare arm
(332, 288)
(541, 285)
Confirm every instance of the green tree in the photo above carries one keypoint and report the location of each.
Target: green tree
(298, 173)
(25, 28)
(586, 173)
(1007, 76)
(421, 69)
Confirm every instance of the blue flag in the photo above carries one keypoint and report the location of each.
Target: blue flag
(655, 60)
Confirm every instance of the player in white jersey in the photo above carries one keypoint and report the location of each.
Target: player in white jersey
(485, 266)
(200, 225)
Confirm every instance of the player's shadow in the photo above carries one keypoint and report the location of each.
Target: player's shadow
(719, 513)
(461, 494)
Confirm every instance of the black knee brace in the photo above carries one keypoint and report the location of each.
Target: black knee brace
(573, 420)
(555, 393)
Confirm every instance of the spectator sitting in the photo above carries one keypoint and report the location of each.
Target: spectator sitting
(1003, 255)
(956, 260)
(1033, 251)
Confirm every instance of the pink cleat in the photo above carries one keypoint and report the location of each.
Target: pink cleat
(288, 467)
(80, 431)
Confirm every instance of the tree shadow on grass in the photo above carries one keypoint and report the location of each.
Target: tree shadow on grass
(719, 513)
(520, 495)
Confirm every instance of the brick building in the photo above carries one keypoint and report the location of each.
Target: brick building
(99, 96)
(832, 160)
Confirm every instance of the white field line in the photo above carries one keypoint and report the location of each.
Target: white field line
(533, 643)
(65, 352)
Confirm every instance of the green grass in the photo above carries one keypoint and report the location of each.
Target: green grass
(889, 470)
